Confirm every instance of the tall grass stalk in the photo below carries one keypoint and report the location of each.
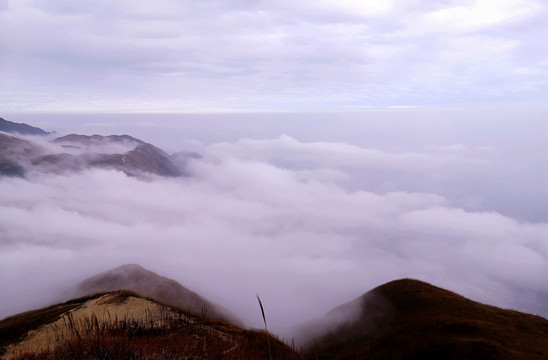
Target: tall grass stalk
(265, 326)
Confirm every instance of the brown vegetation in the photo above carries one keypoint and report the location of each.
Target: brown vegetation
(15, 327)
(409, 319)
(163, 332)
(404, 319)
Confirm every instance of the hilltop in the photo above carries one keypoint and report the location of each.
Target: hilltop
(146, 283)
(411, 319)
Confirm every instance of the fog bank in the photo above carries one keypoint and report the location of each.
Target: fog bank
(306, 223)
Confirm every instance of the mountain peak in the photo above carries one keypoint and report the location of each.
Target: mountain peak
(146, 283)
(130, 267)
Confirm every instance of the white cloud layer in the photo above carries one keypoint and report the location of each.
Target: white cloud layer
(271, 216)
(125, 56)
(288, 150)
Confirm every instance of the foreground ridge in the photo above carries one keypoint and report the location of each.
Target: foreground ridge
(123, 325)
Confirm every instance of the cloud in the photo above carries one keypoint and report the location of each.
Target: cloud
(288, 150)
(244, 224)
(481, 14)
(122, 55)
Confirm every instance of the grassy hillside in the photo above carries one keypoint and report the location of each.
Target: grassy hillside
(15, 327)
(123, 325)
(409, 319)
(403, 319)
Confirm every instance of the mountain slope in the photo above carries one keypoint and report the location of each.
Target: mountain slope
(410, 319)
(123, 325)
(16, 154)
(24, 129)
(149, 284)
(145, 158)
(126, 153)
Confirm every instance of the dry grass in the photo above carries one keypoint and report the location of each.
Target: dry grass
(131, 327)
(15, 327)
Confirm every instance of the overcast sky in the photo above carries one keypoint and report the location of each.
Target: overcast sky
(217, 55)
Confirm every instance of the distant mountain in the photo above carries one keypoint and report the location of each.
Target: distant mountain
(144, 158)
(70, 153)
(410, 319)
(124, 325)
(24, 129)
(149, 284)
(139, 157)
(97, 139)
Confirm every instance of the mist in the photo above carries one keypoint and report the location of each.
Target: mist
(310, 211)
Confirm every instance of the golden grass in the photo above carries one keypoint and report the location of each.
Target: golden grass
(125, 326)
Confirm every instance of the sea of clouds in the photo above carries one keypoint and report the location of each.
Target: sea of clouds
(306, 224)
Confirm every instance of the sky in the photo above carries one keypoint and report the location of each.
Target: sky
(218, 56)
(342, 144)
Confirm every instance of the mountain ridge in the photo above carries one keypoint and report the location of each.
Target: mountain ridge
(72, 153)
(402, 319)
(125, 325)
(20, 128)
